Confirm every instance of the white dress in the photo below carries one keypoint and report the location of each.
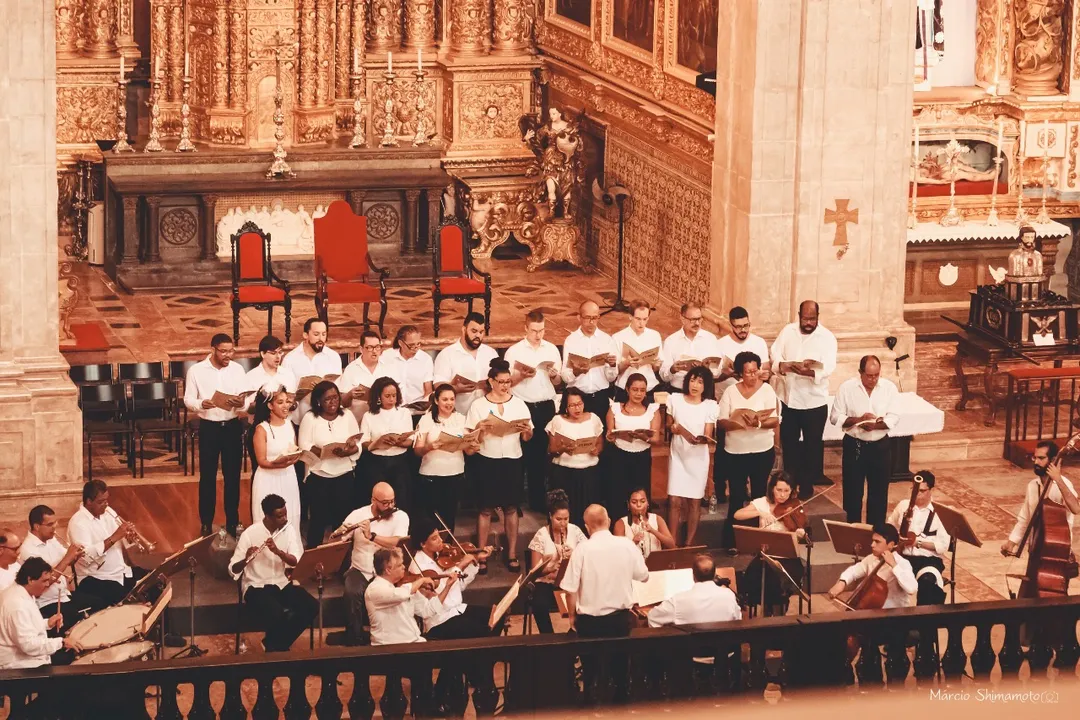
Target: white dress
(278, 481)
(688, 466)
(649, 542)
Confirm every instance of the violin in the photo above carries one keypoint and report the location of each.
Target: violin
(792, 512)
(451, 555)
(409, 578)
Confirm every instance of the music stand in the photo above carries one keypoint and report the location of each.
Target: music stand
(195, 552)
(528, 580)
(850, 539)
(956, 524)
(313, 564)
(675, 559)
(501, 608)
(768, 545)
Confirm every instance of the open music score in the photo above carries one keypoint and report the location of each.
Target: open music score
(455, 443)
(421, 405)
(524, 369)
(695, 439)
(688, 362)
(744, 416)
(497, 427)
(584, 364)
(640, 359)
(390, 440)
(464, 384)
(226, 401)
(632, 435)
(308, 383)
(580, 446)
(361, 393)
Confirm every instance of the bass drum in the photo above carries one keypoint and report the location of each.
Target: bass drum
(110, 626)
(138, 650)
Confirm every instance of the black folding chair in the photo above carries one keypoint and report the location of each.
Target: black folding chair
(91, 374)
(103, 414)
(155, 411)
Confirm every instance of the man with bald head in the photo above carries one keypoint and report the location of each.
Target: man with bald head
(10, 542)
(599, 582)
(804, 356)
(705, 602)
(865, 407)
(378, 525)
(589, 341)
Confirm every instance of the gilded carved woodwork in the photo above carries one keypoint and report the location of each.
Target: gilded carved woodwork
(489, 110)
(359, 42)
(308, 54)
(175, 59)
(100, 20)
(558, 241)
(993, 41)
(470, 24)
(384, 26)
(85, 113)
(220, 39)
(419, 24)
(512, 26)
(403, 92)
(495, 214)
(238, 76)
(343, 55)
(69, 25)
(1037, 56)
(323, 13)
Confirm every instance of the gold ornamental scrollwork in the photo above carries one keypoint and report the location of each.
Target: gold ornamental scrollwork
(558, 241)
(1037, 56)
(494, 215)
(85, 113)
(403, 93)
(513, 20)
(469, 25)
(419, 24)
(489, 111)
(70, 20)
(384, 26)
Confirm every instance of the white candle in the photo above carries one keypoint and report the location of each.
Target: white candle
(157, 66)
(1001, 133)
(121, 68)
(1023, 136)
(916, 145)
(187, 62)
(419, 59)
(1046, 137)
(389, 62)
(356, 60)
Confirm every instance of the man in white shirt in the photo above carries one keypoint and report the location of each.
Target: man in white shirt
(740, 339)
(864, 406)
(104, 570)
(42, 543)
(24, 640)
(587, 342)
(804, 355)
(9, 557)
(262, 553)
(927, 555)
(221, 433)
(270, 374)
(378, 525)
(464, 364)
(414, 370)
(705, 602)
(1047, 468)
(896, 571)
(640, 338)
(687, 348)
(599, 582)
(532, 381)
(358, 378)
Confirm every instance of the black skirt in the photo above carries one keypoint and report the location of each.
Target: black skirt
(393, 469)
(629, 471)
(497, 482)
(581, 486)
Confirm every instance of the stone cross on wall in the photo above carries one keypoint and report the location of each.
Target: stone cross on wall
(840, 217)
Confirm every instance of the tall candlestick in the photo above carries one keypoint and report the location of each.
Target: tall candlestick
(187, 62)
(913, 220)
(389, 62)
(1001, 134)
(1023, 136)
(1046, 137)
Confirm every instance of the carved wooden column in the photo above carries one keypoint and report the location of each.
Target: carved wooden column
(419, 25)
(153, 218)
(994, 32)
(384, 27)
(409, 225)
(68, 16)
(237, 54)
(343, 56)
(356, 200)
(470, 27)
(308, 54)
(207, 211)
(323, 13)
(1037, 56)
(512, 22)
(176, 52)
(434, 211)
(359, 38)
(220, 45)
(100, 27)
(131, 230)
(125, 28)
(159, 33)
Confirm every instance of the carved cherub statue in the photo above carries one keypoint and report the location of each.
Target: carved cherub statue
(559, 163)
(1025, 262)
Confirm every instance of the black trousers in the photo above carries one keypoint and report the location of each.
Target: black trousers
(437, 494)
(329, 500)
(98, 594)
(616, 624)
(356, 617)
(222, 440)
(535, 454)
(582, 486)
(804, 459)
(284, 612)
(748, 475)
(720, 467)
(472, 623)
(929, 593)
(393, 469)
(866, 462)
(543, 604)
(626, 472)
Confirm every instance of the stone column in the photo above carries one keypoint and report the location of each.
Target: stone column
(207, 210)
(237, 54)
(40, 423)
(220, 40)
(100, 28)
(794, 130)
(470, 27)
(153, 233)
(419, 25)
(434, 213)
(384, 26)
(511, 27)
(323, 12)
(343, 54)
(409, 227)
(131, 230)
(308, 54)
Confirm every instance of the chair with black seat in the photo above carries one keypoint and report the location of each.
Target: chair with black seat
(346, 358)
(103, 415)
(453, 273)
(155, 411)
(141, 372)
(178, 370)
(91, 374)
(254, 283)
(248, 363)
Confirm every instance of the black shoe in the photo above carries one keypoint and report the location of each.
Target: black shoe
(175, 641)
(235, 530)
(206, 530)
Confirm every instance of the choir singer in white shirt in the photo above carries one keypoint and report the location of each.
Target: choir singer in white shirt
(864, 407)
(640, 338)
(705, 602)
(589, 341)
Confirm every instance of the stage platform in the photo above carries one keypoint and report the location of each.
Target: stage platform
(216, 593)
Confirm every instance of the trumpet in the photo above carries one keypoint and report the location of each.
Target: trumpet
(135, 536)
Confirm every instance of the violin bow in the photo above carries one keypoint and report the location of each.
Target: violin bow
(806, 502)
(450, 533)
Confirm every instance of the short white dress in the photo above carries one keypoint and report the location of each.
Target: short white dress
(688, 466)
(278, 481)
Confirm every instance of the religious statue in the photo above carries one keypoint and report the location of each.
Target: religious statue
(558, 149)
(1025, 262)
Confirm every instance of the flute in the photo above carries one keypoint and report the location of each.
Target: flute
(259, 549)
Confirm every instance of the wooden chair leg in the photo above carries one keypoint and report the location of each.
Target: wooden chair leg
(366, 321)
(437, 302)
(487, 314)
(382, 313)
(89, 457)
(288, 318)
(236, 325)
(142, 458)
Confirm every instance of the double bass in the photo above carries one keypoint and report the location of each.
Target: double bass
(907, 536)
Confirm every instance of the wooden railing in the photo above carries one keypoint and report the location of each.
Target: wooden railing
(540, 668)
(1042, 404)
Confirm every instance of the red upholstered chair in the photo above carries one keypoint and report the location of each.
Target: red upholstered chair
(454, 274)
(343, 264)
(254, 283)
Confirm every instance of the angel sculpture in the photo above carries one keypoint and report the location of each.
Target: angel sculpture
(558, 149)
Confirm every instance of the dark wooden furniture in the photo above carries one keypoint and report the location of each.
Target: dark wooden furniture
(1043, 404)
(254, 283)
(104, 415)
(453, 275)
(343, 264)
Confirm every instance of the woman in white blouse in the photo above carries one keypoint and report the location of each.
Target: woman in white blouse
(631, 459)
(575, 473)
(645, 529)
(498, 479)
(749, 413)
(382, 427)
(556, 540)
(274, 438)
(692, 420)
(441, 471)
(330, 484)
(777, 594)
